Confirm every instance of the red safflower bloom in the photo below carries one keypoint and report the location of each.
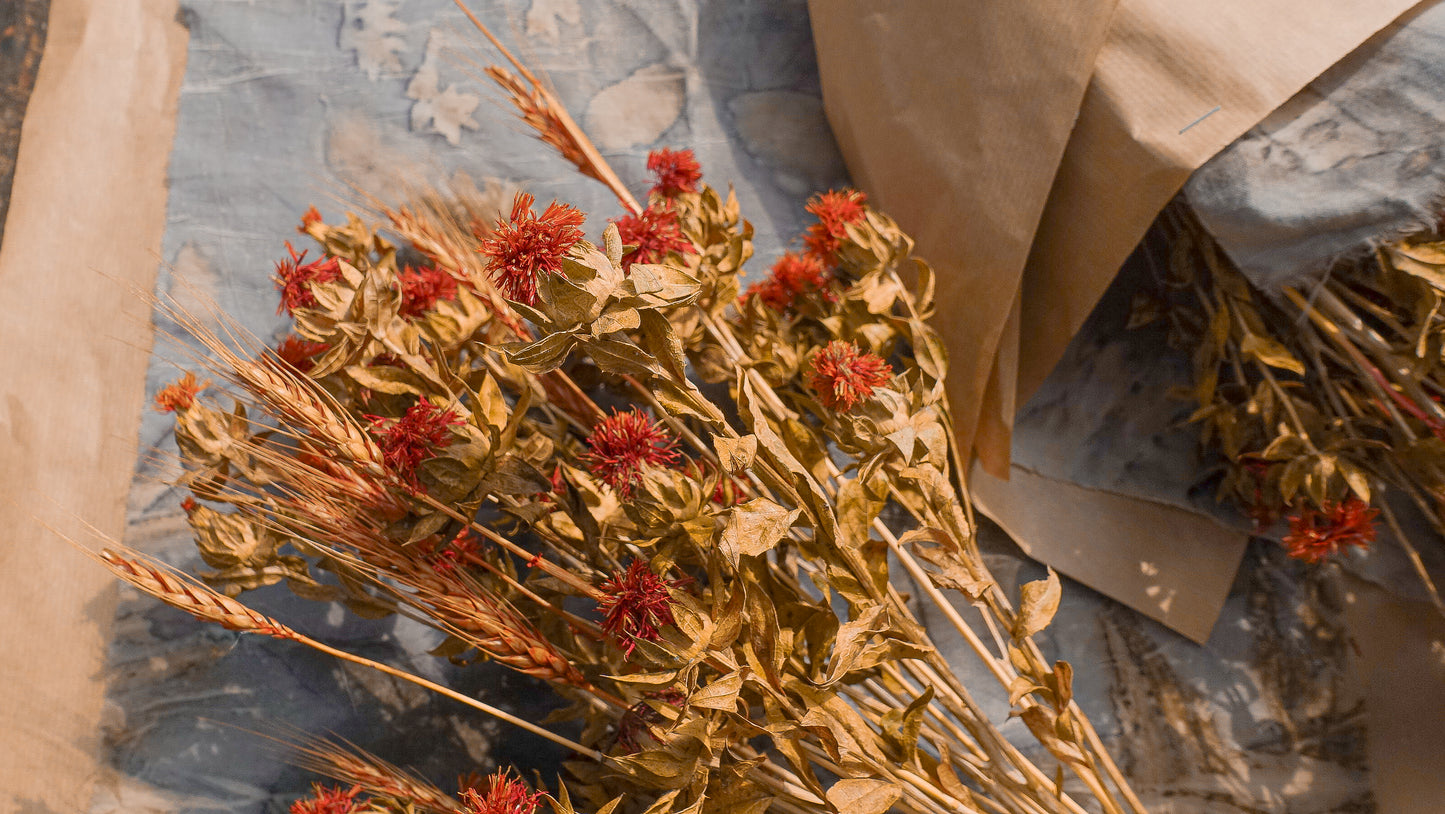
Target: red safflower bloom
(834, 210)
(792, 276)
(1315, 535)
(299, 353)
(655, 233)
(843, 375)
(422, 288)
(325, 800)
(312, 216)
(623, 444)
(179, 395)
(676, 171)
(416, 436)
(294, 280)
(636, 605)
(526, 246)
(505, 794)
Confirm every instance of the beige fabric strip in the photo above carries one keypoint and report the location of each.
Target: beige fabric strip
(82, 240)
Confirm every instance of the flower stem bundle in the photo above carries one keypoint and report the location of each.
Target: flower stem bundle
(1324, 400)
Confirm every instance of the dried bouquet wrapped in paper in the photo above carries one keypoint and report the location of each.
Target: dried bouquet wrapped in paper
(1324, 398)
(616, 469)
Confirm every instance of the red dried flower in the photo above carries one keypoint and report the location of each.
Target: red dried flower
(676, 171)
(325, 800)
(842, 375)
(1315, 535)
(655, 233)
(623, 444)
(310, 218)
(416, 436)
(636, 605)
(422, 288)
(179, 395)
(299, 353)
(294, 280)
(834, 210)
(526, 246)
(460, 551)
(505, 794)
(792, 276)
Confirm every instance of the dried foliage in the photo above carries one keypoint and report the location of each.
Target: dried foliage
(705, 574)
(1326, 401)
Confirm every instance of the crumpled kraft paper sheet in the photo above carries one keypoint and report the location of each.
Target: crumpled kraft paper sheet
(81, 240)
(1059, 141)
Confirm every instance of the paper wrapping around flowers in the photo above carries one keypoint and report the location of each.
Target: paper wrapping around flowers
(1028, 150)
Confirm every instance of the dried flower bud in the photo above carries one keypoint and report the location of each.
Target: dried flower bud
(624, 444)
(294, 280)
(526, 246)
(676, 171)
(636, 605)
(422, 288)
(842, 375)
(654, 232)
(325, 800)
(834, 210)
(179, 395)
(407, 441)
(299, 353)
(311, 217)
(1316, 535)
(793, 276)
(505, 794)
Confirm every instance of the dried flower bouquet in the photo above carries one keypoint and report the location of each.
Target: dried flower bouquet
(1324, 399)
(614, 469)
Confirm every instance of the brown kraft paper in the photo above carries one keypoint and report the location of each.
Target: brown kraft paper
(82, 238)
(959, 119)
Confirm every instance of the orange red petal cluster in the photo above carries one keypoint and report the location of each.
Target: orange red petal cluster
(1315, 535)
(325, 800)
(526, 246)
(842, 375)
(505, 793)
(792, 277)
(835, 210)
(654, 232)
(414, 437)
(422, 288)
(179, 395)
(676, 171)
(623, 444)
(636, 605)
(294, 279)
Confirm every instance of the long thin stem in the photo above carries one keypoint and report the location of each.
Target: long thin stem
(454, 695)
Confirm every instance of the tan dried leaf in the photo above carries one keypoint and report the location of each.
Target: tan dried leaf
(1038, 602)
(861, 795)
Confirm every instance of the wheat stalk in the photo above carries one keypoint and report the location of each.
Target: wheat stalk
(182, 591)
